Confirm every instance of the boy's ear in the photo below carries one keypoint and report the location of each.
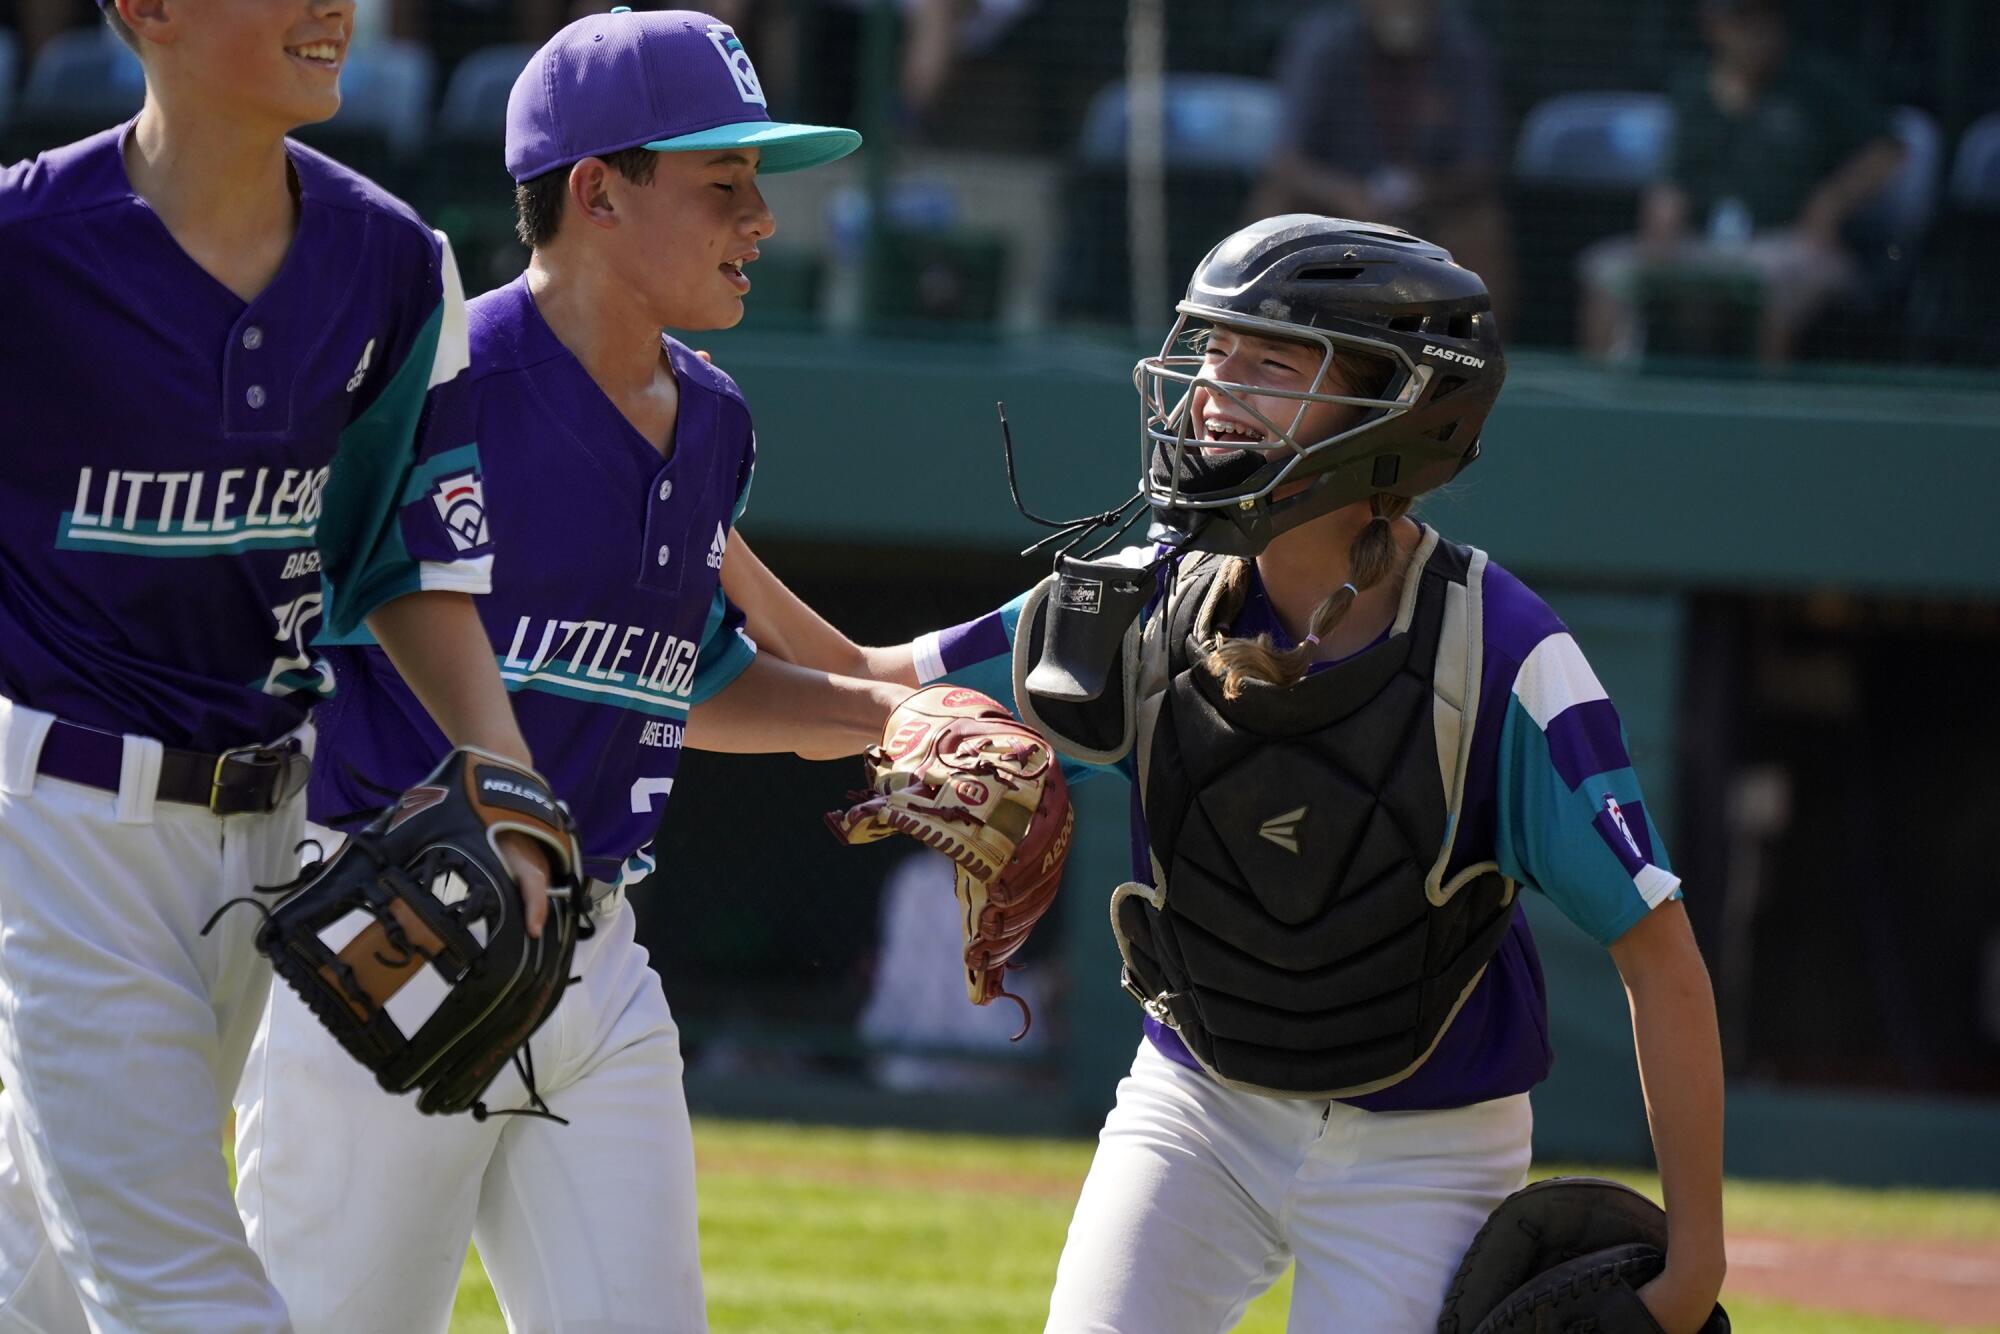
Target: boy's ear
(590, 192)
(148, 20)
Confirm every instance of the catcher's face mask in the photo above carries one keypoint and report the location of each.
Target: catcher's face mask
(1239, 413)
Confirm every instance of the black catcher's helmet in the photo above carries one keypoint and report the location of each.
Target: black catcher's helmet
(1349, 287)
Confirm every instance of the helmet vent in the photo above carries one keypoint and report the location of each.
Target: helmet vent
(1444, 433)
(1449, 384)
(1408, 323)
(1323, 274)
(1461, 326)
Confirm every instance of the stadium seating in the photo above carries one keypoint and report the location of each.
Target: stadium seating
(1580, 165)
(475, 101)
(1888, 236)
(1613, 141)
(1951, 307)
(1975, 174)
(1213, 121)
(1220, 130)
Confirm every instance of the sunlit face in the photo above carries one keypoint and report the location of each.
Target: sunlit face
(1222, 422)
(682, 240)
(269, 62)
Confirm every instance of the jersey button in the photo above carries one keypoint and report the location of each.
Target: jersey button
(254, 396)
(253, 338)
(663, 555)
(666, 489)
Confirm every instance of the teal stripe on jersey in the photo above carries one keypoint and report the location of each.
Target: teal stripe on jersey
(364, 561)
(723, 655)
(554, 680)
(1547, 835)
(152, 538)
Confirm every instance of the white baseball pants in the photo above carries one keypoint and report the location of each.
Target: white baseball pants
(122, 1031)
(361, 1207)
(1200, 1196)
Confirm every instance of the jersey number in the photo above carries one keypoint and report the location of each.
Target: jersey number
(646, 790)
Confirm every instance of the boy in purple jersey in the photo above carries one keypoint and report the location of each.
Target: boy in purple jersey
(217, 350)
(616, 463)
(1351, 743)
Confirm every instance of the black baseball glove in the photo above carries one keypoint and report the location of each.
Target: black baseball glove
(424, 886)
(1563, 1256)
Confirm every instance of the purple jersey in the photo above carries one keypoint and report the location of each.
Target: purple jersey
(606, 615)
(195, 485)
(1549, 794)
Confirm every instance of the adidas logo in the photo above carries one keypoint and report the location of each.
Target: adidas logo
(717, 547)
(361, 371)
(1284, 829)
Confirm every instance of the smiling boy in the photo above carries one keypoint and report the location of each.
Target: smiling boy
(616, 464)
(217, 348)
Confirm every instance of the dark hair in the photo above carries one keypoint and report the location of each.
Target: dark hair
(538, 201)
(122, 28)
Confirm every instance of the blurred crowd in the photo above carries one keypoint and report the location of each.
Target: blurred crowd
(1765, 180)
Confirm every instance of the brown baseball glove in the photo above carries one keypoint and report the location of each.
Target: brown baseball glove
(959, 773)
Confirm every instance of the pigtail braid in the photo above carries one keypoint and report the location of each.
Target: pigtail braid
(1371, 559)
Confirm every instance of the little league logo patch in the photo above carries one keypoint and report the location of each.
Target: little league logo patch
(461, 503)
(1617, 815)
(740, 69)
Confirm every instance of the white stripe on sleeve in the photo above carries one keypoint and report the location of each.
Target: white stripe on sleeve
(929, 653)
(1555, 677)
(1656, 886)
(456, 576)
(454, 352)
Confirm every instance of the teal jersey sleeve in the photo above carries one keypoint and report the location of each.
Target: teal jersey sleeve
(726, 646)
(1571, 818)
(403, 508)
(979, 655)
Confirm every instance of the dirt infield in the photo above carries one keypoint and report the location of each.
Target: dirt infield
(1953, 1286)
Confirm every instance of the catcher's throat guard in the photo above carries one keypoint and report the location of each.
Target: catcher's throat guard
(410, 945)
(1090, 611)
(1568, 1253)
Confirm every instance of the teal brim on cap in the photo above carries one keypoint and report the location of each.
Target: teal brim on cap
(780, 147)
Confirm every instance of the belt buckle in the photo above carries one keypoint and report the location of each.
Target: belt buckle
(283, 767)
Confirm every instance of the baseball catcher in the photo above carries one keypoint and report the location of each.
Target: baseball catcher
(424, 886)
(957, 772)
(1562, 1255)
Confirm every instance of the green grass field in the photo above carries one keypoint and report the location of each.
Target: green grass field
(811, 1231)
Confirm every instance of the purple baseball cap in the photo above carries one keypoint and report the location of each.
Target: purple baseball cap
(673, 80)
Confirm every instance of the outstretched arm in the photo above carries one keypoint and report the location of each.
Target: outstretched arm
(1680, 1069)
(776, 705)
(785, 627)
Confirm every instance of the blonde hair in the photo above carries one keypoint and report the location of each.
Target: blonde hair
(1373, 558)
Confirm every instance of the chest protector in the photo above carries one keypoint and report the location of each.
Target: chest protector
(1300, 933)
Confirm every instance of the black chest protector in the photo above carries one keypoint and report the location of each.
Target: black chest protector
(1300, 933)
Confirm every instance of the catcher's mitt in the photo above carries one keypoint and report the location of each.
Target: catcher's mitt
(959, 773)
(1565, 1254)
(423, 885)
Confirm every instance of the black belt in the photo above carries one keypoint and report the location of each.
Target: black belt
(245, 780)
